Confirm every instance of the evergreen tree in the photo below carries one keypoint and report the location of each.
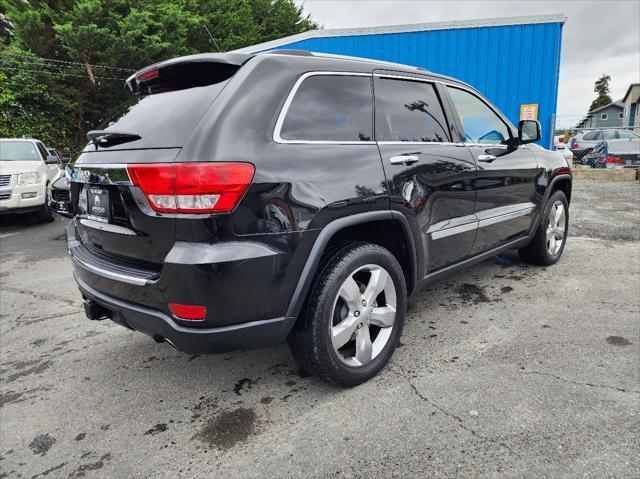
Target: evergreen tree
(63, 62)
(601, 87)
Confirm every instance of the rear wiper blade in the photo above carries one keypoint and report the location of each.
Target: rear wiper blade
(109, 137)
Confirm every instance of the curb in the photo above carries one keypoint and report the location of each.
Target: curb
(608, 174)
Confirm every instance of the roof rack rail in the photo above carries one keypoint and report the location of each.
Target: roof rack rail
(283, 51)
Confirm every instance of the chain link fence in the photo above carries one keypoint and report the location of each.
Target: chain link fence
(591, 146)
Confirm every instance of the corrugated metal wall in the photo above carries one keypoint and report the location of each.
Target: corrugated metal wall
(511, 65)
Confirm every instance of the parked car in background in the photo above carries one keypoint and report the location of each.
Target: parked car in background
(560, 145)
(26, 171)
(59, 197)
(283, 213)
(582, 143)
(63, 159)
(612, 153)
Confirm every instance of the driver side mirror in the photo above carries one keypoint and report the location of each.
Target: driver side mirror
(529, 131)
(51, 160)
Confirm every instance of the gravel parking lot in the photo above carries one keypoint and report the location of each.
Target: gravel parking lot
(505, 370)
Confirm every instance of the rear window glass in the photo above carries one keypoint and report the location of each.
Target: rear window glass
(163, 120)
(330, 108)
(18, 151)
(408, 111)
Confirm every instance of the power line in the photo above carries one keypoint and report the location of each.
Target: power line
(65, 62)
(48, 69)
(47, 72)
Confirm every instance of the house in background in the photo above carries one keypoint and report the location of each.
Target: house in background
(607, 116)
(631, 101)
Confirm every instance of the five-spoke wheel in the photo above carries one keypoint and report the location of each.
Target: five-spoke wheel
(353, 316)
(363, 315)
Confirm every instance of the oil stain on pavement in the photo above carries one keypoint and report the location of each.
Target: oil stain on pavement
(228, 428)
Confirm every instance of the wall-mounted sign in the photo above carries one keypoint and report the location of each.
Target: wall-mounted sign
(529, 111)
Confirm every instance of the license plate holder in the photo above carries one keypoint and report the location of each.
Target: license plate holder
(98, 204)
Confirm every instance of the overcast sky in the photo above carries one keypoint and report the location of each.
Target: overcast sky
(599, 36)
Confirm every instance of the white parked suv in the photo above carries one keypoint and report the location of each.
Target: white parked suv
(26, 170)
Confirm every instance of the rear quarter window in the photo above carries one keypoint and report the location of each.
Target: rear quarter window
(330, 108)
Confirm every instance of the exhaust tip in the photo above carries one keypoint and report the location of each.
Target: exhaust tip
(161, 339)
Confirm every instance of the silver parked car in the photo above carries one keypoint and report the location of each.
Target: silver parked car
(582, 144)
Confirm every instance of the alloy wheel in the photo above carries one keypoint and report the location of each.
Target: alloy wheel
(556, 228)
(363, 316)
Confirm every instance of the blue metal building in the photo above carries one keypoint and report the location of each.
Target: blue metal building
(512, 61)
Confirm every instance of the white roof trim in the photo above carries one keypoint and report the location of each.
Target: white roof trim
(412, 27)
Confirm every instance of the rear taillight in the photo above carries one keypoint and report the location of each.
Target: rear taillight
(575, 145)
(613, 159)
(192, 187)
(188, 312)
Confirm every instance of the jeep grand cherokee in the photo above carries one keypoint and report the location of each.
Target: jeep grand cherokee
(243, 200)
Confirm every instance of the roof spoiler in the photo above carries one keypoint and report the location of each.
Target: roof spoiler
(186, 72)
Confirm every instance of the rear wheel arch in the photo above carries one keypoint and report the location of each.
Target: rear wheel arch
(378, 227)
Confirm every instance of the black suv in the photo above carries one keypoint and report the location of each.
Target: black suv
(242, 200)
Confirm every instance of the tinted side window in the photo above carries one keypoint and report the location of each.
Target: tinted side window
(43, 151)
(480, 123)
(591, 136)
(330, 108)
(408, 111)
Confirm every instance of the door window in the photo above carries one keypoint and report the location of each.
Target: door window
(593, 136)
(480, 123)
(330, 108)
(608, 134)
(408, 111)
(43, 151)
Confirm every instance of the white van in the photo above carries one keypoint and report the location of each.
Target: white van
(26, 169)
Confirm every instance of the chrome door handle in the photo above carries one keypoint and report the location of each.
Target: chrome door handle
(403, 160)
(486, 158)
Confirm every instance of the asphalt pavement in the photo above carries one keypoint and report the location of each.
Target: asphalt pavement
(505, 370)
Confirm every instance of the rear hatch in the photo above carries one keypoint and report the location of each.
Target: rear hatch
(115, 222)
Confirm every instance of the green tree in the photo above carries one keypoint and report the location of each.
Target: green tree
(601, 87)
(32, 107)
(81, 51)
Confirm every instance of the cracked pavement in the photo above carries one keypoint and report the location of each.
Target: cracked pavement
(505, 370)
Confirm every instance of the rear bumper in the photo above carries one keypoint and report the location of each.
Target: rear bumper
(161, 327)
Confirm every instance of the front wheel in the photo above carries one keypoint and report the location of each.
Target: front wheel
(548, 242)
(46, 213)
(354, 315)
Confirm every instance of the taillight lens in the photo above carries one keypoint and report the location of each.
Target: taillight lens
(192, 187)
(188, 311)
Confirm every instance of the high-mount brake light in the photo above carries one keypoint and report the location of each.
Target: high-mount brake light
(148, 74)
(192, 187)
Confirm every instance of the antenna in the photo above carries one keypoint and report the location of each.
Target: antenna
(212, 39)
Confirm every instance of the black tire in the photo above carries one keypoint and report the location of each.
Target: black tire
(537, 251)
(45, 214)
(310, 341)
